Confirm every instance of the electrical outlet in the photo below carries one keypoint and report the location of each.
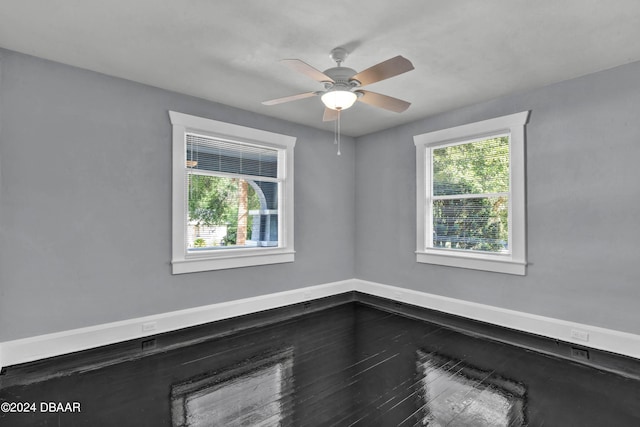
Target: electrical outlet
(149, 326)
(580, 335)
(579, 353)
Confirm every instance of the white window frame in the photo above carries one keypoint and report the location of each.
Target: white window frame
(516, 261)
(184, 262)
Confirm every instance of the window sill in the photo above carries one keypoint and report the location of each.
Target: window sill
(225, 261)
(495, 263)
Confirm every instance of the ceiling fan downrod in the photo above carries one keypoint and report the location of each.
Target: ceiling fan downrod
(338, 55)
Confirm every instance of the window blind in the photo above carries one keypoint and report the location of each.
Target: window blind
(212, 154)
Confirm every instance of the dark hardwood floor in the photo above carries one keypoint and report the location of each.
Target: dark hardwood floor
(551, 391)
(333, 362)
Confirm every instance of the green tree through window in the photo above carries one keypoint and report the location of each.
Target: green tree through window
(470, 195)
(222, 202)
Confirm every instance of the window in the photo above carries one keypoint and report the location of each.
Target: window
(232, 195)
(471, 195)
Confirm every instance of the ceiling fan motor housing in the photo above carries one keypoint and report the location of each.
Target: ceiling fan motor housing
(342, 78)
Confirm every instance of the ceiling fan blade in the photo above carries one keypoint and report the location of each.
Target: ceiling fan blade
(384, 70)
(306, 69)
(383, 101)
(290, 98)
(330, 115)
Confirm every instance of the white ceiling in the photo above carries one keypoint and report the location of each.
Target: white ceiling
(464, 51)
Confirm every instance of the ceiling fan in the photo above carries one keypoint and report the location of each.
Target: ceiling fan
(342, 84)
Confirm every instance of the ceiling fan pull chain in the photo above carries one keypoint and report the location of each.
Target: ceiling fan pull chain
(338, 125)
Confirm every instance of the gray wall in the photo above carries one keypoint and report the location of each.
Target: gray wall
(583, 189)
(85, 202)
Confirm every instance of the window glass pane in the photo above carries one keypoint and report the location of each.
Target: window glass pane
(472, 168)
(478, 224)
(230, 213)
(211, 154)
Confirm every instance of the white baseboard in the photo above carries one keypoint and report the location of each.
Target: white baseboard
(43, 346)
(55, 344)
(595, 337)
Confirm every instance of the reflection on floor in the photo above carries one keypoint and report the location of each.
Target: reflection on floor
(453, 393)
(255, 393)
(346, 364)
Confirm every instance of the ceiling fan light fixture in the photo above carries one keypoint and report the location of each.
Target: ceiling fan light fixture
(339, 99)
